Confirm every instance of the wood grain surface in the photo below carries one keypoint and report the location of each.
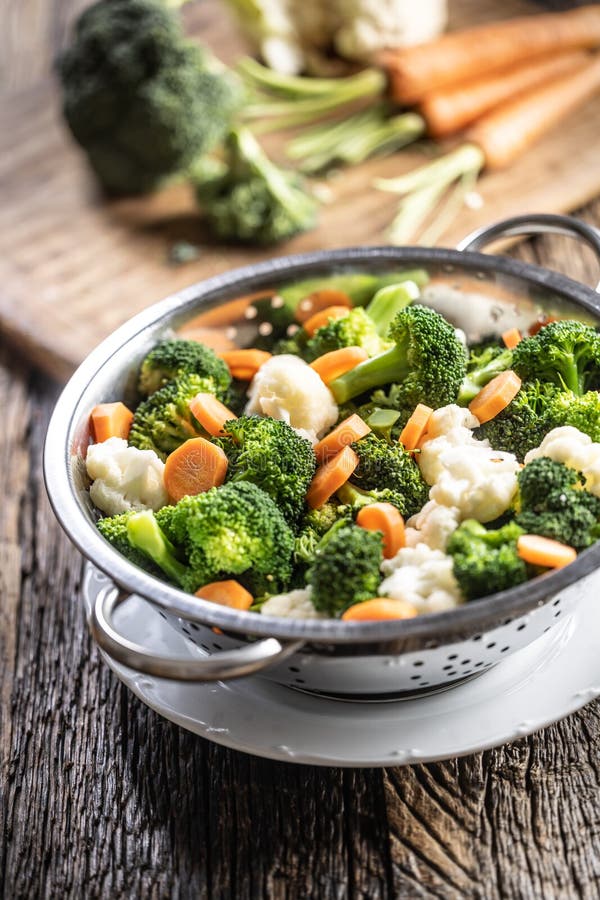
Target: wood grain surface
(73, 266)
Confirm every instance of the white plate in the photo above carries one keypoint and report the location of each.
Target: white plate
(536, 686)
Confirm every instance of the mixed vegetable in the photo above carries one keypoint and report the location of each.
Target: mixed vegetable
(360, 461)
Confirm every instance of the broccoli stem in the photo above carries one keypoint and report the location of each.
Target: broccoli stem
(353, 496)
(145, 535)
(381, 421)
(388, 301)
(386, 368)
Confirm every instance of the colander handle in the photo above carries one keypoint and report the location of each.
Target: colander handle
(227, 664)
(540, 223)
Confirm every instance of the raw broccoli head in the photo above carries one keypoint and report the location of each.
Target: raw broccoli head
(427, 362)
(315, 525)
(346, 569)
(388, 468)
(235, 530)
(553, 503)
(356, 329)
(485, 361)
(355, 498)
(251, 200)
(272, 455)
(114, 529)
(164, 420)
(566, 353)
(177, 357)
(486, 561)
(142, 101)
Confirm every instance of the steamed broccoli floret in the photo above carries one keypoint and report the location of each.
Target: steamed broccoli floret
(251, 200)
(270, 454)
(164, 420)
(346, 569)
(316, 525)
(177, 357)
(142, 101)
(388, 467)
(114, 529)
(427, 362)
(355, 498)
(553, 503)
(486, 561)
(484, 363)
(232, 531)
(566, 353)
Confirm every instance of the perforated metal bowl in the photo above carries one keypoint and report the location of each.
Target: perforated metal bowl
(371, 660)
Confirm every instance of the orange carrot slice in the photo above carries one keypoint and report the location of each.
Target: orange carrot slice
(211, 413)
(384, 517)
(323, 317)
(194, 467)
(542, 551)
(330, 477)
(539, 323)
(511, 338)
(416, 427)
(320, 300)
(495, 396)
(244, 364)
(379, 608)
(347, 432)
(227, 593)
(335, 363)
(111, 420)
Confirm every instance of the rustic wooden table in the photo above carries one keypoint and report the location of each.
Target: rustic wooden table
(100, 797)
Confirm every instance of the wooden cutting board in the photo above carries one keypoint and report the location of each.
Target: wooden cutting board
(73, 266)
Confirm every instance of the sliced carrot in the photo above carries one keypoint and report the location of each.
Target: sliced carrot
(111, 420)
(542, 551)
(211, 413)
(227, 593)
(495, 396)
(244, 364)
(330, 477)
(539, 323)
(385, 518)
(320, 300)
(194, 467)
(337, 362)
(323, 317)
(416, 427)
(511, 338)
(347, 432)
(378, 609)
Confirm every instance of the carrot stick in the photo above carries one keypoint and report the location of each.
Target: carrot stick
(330, 477)
(194, 467)
(511, 338)
(495, 396)
(385, 518)
(323, 317)
(111, 420)
(416, 427)
(211, 413)
(505, 133)
(320, 300)
(335, 363)
(542, 551)
(347, 432)
(450, 109)
(244, 364)
(227, 593)
(464, 55)
(378, 609)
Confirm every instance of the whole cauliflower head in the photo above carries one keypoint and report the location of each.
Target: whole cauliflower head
(433, 525)
(293, 605)
(422, 577)
(572, 447)
(125, 478)
(286, 388)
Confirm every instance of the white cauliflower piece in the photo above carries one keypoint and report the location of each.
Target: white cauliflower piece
(286, 388)
(125, 478)
(423, 577)
(293, 605)
(433, 525)
(370, 25)
(448, 426)
(572, 447)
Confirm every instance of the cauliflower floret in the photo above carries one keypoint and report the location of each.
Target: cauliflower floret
(572, 447)
(370, 25)
(293, 605)
(423, 577)
(433, 525)
(125, 478)
(286, 388)
(448, 426)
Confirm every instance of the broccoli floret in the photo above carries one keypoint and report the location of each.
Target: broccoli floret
(427, 362)
(295, 343)
(527, 419)
(346, 569)
(388, 467)
(484, 363)
(355, 498)
(270, 454)
(164, 420)
(142, 101)
(553, 503)
(251, 200)
(232, 531)
(315, 526)
(486, 561)
(176, 357)
(565, 353)
(582, 412)
(114, 529)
